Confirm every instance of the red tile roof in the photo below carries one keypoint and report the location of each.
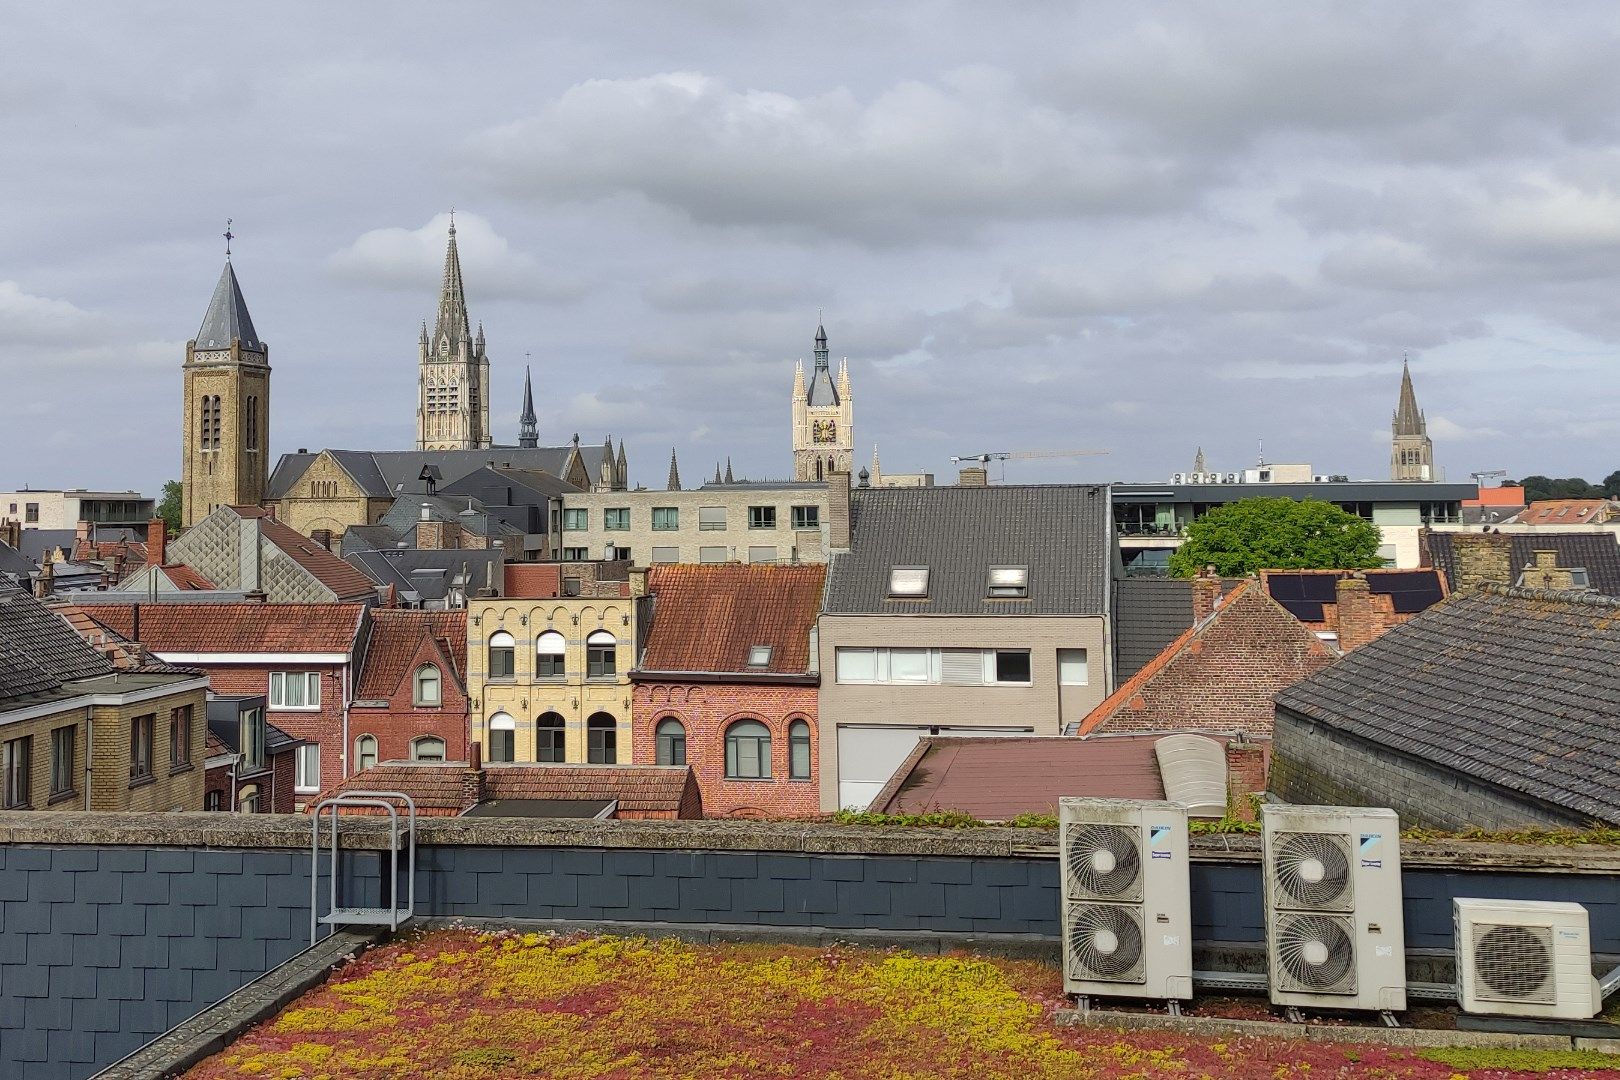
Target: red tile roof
(438, 788)
(1497, 496)
(345, 581)
(185, 578)
(397, 637)
(442, 789)
(234, 628)
(707, 618)
(1567, 512)
(133, 551)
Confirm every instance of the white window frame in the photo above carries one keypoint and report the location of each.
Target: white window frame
(360, 751)
(301, 767)
(842, 653)
(278, 691)
(1008, 583)
(1070, 659)
(992, 671)
(419, 699)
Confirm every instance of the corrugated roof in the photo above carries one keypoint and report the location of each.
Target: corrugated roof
(234, 628)
(1060, 532)
(1518, 688)
(708, 618)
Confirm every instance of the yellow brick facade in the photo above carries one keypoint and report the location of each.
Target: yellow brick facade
(574, 695)
(326, 497)
(224, 451)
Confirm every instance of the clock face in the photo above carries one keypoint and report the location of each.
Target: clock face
(825, 431)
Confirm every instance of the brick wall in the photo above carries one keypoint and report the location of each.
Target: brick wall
(706, 710)
(1482, 557)
(1313, 763)
(323, 726)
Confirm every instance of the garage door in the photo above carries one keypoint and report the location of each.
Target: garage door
(868, 756)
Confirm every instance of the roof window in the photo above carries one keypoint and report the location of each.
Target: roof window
(1009, 581)
(909, 582)
(759, 655)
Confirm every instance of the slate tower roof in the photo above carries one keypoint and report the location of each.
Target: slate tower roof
(1409, 419)
(452, 321)
(227, 320)
(528, 429)
(822, 389)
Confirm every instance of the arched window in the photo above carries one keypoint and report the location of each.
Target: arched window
(798, 750)
(502, 738)
(427, 748)
(365, 752)
(214, 800)
(203, 428)
(818, 469)
(602, 739)
(548, 738)
(248, 800)
(502, 655)
(671, 739)
(427, 685)
(548, 654)
(601, 654)
(748, 751)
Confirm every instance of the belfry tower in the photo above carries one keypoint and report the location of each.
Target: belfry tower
(1411, 455)
(452, 410)
(823, 418)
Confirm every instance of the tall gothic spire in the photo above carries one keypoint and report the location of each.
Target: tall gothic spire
(674, 481)
(1199, 465)
(822, 389)
(622, 469)
(227, 319)
(452, 321)
(528, 430)
(1408, 419)
(729, 480)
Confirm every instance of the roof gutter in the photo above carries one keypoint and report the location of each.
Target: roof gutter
(749, 677)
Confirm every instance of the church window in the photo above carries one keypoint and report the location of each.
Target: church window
(818, 469)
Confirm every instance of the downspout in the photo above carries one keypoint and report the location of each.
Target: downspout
(89, 751)
(344, 751)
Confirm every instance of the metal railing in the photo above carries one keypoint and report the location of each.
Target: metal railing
(391, 915)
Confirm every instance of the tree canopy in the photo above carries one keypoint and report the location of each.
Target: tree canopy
(1537, 488)
(168, 507)
(1250, 535)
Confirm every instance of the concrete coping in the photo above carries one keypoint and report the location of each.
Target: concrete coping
(287, 831)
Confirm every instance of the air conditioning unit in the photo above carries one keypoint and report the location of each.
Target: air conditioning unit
(1127, 913)
(1525, 958)
(1231, 478)
(1334, 933)
(1321, 479)
(1178, 478)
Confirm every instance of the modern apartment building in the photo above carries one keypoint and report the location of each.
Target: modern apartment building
(64, 509)
(739, 522)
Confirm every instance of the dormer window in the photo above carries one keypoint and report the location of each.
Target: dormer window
(908, 582)
(759, 656)
(1009, 581)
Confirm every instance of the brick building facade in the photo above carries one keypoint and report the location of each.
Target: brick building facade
(412, 688)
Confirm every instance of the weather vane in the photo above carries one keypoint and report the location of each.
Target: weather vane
(229, 236)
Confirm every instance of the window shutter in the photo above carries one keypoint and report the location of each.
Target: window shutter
(962, 667)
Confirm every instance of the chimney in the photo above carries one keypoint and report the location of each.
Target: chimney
(322, 537)
(45, 583)
(1360, 619)
(472, 778)
(393, 595)
(1482, 557)
(11, 532)
(1545, 573)
(972, 476)
(256, 596)
(1206, 594)
(82, 533)
(1245, 775)
(117, 567)
(638, 581)
(157, 542)
(838, 510)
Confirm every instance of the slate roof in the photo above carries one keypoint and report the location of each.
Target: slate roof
(39, 650)
(1597, 551)
(1518, 688)
(15, 563)
(227, 319)
(225, 728)
(510, 487)
(426, 572)
(707, 618)
(235, 628)
(385, 473)
(1150, 613)
(397, 637)
(1059, 531)
(402, 517)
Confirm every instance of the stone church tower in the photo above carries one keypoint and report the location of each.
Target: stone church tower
(452, 409)
(823, 418)
(1412, 455)
(227, 408)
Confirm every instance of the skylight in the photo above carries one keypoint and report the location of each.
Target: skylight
(1010, 581)
(910, 582)
(759, 655)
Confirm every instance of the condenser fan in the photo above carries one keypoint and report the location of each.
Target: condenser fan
(1105, 942)
(1316, 953)
(1514, 963)
(1103, 862)
(1312, 870)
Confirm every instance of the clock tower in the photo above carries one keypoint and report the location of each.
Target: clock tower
(823, 418)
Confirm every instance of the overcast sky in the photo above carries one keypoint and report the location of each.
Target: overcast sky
(1134, 227)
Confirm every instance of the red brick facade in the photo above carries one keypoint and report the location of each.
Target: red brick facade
(396, 721)
(706, 710)
(275, 785)
(323, 726)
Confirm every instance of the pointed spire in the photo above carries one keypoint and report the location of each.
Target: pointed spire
(843, 378)
(424, 332)
(528, 430)
(821, 343)
(674, 481)
(1408, 419)
(729, 480)
(822, 391)
(1198, 462)
(227, 320)
(716, 479)
(452, 321)
(623, 469)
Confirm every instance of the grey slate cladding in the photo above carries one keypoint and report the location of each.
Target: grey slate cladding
(428, 572)
(227, 319)
(1060, 532)
(1516, 688)
(1597, 552)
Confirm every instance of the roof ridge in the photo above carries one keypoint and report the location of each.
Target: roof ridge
(1565, 596)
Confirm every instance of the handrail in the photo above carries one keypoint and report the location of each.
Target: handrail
(384, 800)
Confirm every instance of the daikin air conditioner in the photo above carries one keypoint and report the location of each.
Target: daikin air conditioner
(1334, 933)
(1525, 958)
(1178, 478)
(1127, 917)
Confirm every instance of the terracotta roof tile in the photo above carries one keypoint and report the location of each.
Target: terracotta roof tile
(707, 618)
(397, 637)
(234, 628)
(185, 578)
(637, 788)
(1567, 512)
(437, 788)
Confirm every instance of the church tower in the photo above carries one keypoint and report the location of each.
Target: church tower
(823, 418)
(1412, 454)
(452, 409)
(227, 407)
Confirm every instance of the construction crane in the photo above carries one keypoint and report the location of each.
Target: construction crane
(1487, 474)
(986, 457)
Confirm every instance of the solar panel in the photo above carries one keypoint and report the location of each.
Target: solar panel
(1285, 587)
(1408, 581)
(1303, 610)
(1321, 588)
(1408, 602)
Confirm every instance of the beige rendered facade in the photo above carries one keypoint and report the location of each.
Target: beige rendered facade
(888, 679)
(567, 697)
(744, 522)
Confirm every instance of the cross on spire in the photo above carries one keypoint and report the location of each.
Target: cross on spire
(229, 236)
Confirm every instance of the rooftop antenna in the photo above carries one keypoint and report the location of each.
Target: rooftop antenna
(229, 236)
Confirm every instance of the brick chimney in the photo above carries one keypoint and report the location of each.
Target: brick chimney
(472, 778)
(11, 532)
(1245, 775)
(434, 535)
(1545, 573)
(1360, 618)
(45, 583)
(838, 511)
(972, 476)
(157, 542)
(638, 581)
(1206, 594)
(83, 533)
(1482, 557)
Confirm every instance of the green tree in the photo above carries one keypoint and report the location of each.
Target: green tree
(1611, 485)
(1250, 535)
(169, 506)
(1537, 488)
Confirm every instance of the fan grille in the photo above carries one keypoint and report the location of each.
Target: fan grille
(1105, 943)
(1312, 870)
(1513, 963)
(1103, 861)
(1315, 954)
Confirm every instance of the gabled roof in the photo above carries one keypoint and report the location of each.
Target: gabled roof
(1597, 552)
(1517, 688)
(386, 473)
(39, 650)
(708, 618)
(1567, 512)
(398, 637)
(1060, 532)
(1312, 597)
(184, 578)
(234, 628)
(227, 319)
(636, 788)
(345, 581)
(427, 572)
(1150, 613)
